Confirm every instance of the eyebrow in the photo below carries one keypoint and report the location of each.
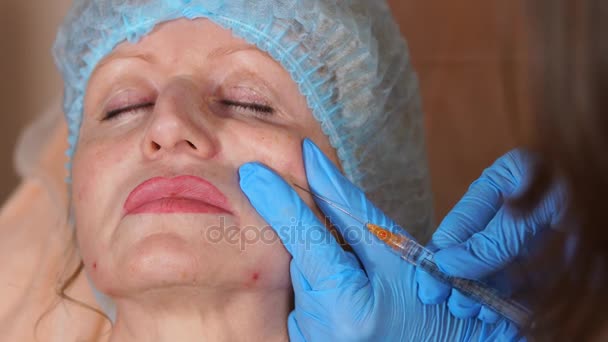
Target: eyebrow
(228, 50)
(222, 51)
(111, 58)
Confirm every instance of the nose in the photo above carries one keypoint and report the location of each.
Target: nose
(179, 123)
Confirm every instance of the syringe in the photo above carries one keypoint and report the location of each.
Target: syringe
(414, 253)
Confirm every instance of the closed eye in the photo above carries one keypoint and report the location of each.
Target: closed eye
(254, 107)
(258, 109)
(128, 109)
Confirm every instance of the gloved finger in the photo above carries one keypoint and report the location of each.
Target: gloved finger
(488, 315)
(492, 249)
(311, 299)
(430, 290)
(325, 179)
(462, 306)
(482, 201)
(470, 215)
(505, 282)
(488, 252)
(329, 308)
(473, 213)
(318, 255)
(307, 308)
(293, 329)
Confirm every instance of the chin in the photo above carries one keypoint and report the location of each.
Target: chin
(168, 259)
(156, 252)
(163, 257)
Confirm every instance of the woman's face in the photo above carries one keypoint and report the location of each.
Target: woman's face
(188, 100)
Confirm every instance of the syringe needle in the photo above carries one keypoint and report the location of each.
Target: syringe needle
(330, 202)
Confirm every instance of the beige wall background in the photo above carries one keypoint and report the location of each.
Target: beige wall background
(29, 82)
(455, 46)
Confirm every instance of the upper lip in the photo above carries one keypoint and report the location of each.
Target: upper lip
(190, 187)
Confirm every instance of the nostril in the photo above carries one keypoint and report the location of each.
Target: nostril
(191, 145)
(155, 146)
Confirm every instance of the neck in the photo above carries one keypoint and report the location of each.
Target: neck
(198, 314)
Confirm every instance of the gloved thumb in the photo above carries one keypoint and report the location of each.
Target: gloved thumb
(314, 249)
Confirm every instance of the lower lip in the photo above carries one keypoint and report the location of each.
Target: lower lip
(176, 205)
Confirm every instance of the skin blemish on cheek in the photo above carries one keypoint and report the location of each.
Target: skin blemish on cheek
(252, 280)
(95, 265)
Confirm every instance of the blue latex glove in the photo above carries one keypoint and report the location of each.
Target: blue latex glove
(340, 296)
(480, 236)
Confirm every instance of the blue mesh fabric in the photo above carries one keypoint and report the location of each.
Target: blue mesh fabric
(347, 56)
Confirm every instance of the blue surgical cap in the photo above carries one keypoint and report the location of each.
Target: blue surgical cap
(347, 57)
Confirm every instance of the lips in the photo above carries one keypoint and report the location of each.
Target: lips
(187, 194)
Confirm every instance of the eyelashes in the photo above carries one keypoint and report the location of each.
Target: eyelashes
(256, 109)
(253, 107)
(109, 115)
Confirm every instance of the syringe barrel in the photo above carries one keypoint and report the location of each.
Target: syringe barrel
(421, 257)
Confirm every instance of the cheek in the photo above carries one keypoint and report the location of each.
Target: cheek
(278, 148)
(95, 162)
(84, 197)
(84, 172)
(95, 165)
(87, 168)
